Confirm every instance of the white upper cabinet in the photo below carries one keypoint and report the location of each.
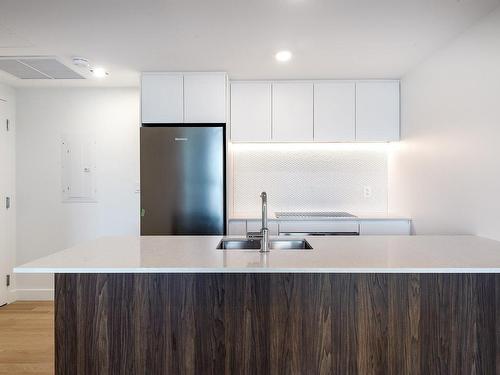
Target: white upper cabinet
(334, 112)
(173, 98)
(377, 111)
(292, 112)
(162, 98)
(205, 97)
(250, 112)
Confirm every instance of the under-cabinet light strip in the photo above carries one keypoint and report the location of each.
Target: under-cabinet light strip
(311, 146)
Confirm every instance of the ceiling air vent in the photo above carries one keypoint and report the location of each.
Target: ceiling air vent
(37, 68)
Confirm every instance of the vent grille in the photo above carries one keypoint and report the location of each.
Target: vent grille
(37, 68)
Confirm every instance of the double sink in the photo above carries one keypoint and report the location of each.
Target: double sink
(255, 244)
(261, 240)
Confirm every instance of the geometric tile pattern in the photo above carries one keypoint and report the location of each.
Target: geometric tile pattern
(309, 179)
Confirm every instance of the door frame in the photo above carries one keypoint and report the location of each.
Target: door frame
(6, 190)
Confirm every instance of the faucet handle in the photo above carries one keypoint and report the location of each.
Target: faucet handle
(263, 195)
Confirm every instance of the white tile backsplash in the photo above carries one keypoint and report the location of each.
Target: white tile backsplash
(309, 178)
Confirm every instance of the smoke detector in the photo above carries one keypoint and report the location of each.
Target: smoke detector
(97, 71)
(81, 61)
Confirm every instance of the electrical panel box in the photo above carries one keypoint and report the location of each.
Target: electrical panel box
(78, 154)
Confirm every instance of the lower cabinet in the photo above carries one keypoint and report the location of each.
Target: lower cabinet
(239, 227)
(324, 226)
(256, 226)
(387, 227)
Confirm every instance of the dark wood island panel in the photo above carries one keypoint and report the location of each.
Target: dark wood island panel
(265, 323)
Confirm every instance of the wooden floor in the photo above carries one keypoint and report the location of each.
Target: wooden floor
(27, 338)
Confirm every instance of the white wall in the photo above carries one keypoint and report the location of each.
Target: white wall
(445, 173)
(8, 188)
(45, 224)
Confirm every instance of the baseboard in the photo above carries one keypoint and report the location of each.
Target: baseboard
(12, 296)
(35, 294)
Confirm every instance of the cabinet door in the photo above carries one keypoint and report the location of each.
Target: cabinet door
(384, 227)
(237, 228)
(292, 112)
(205, 98)
(377, 111)
(250, 112)
(256, 226)
(334, 111)
(162, 98)
(335, 226)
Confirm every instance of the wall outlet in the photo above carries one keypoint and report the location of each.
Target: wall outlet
(367, 191)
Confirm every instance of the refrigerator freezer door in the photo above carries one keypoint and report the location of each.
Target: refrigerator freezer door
(182, 180)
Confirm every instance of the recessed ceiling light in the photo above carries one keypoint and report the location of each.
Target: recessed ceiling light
(99, 72)
(283, 56)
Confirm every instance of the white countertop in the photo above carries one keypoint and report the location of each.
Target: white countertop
(197, 254)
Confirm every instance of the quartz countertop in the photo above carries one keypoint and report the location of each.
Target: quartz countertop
(349, 254)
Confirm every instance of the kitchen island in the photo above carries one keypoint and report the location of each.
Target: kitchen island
(351, 305)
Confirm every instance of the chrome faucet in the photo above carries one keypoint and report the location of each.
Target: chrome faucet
(264, 244)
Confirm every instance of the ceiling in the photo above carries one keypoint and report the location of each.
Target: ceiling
(328, 38)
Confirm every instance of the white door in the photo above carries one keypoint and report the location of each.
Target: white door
(205, 98)
(334, 112)
(293, 112)
(4, 185)
(162, 98)
(250, 112)
(377, 111)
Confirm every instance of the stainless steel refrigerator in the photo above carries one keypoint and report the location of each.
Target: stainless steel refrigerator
(183, 183)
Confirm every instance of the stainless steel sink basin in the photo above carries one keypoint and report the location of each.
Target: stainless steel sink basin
(254, 244)
(290, 245)
(237, 244)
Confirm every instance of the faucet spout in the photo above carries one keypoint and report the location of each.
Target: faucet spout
(264, 248)
(263, 195)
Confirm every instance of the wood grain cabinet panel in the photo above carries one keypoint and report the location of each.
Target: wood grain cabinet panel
(417, 324)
